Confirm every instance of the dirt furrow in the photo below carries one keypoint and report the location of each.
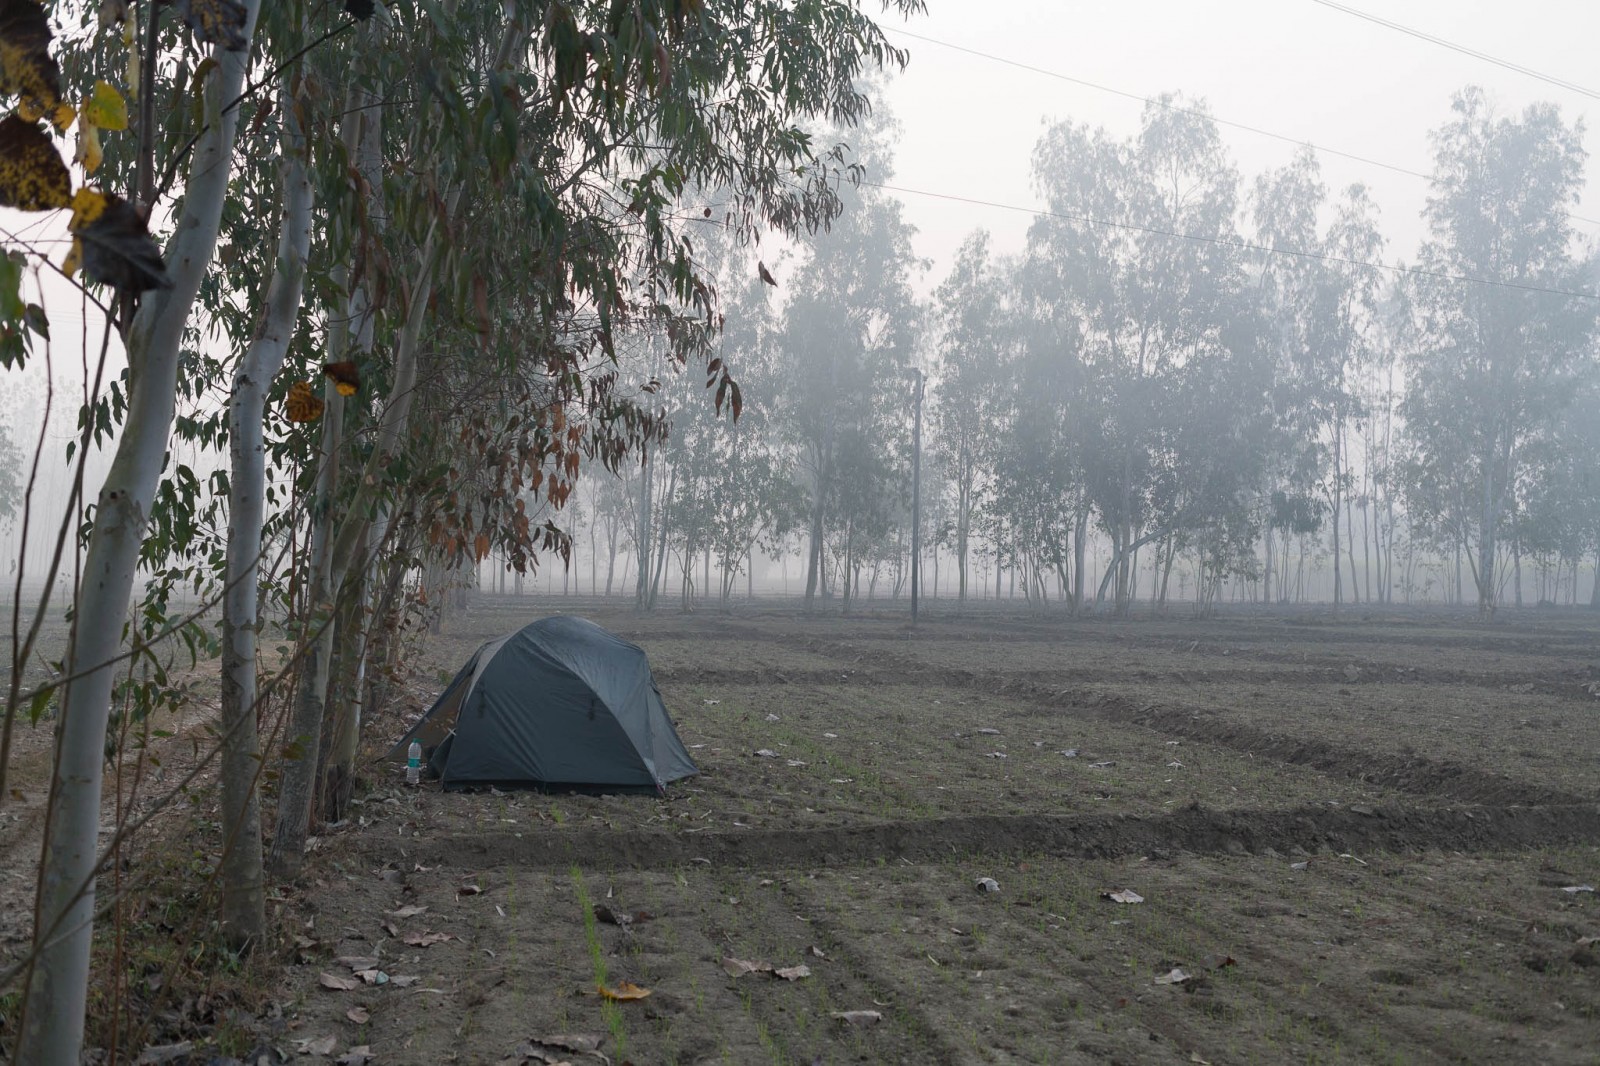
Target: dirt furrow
(1193, 831)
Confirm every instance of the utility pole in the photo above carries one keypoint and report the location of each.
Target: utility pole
(916, 499)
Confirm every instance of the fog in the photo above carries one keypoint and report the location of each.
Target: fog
(951, 151)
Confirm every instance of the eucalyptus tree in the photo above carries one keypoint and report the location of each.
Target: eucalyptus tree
(1155, 281)
(153, 308)
(1498, 360)
(970, 315)
(1284, 209)
(847, 339)
(1035, 502)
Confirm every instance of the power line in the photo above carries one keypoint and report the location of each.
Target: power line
(1243, 246)
(1549, 79)
(1193, 112)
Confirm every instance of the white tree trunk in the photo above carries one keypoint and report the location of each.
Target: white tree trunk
(243, 896)
(58, 984)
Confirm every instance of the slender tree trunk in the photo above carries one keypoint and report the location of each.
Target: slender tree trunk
(646, 517)
(301, 754)
(241, 872)
(58, 982)
(814, 552)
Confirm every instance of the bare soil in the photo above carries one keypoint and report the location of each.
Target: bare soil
(1353, 835)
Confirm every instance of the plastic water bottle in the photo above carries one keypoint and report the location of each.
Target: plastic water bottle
(414, 763)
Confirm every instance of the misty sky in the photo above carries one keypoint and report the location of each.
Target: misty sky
(1294, 67)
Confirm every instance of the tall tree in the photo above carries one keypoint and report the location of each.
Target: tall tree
(1498, 360)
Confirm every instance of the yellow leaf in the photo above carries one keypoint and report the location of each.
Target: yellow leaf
(26, 67)
(106, 108)
(135, 69)
(345, 376)
(117, 247)
(87, 205)
(74, 259)
(32, 175)
(64, 116)
(303, 405)
(89, 153)
(625, 990)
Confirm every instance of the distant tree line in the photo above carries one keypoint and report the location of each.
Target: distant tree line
(1181, 374)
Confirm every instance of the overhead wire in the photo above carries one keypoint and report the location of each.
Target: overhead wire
(1156, 101)
(1241, 245)
(1549, 79)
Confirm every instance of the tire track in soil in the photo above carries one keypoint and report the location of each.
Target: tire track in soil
(852, 982)
(1193, 830)
(1417, 775)
(1528, 683)
(1068, 978)
(1572, 684)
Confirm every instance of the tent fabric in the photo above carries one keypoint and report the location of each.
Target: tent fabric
(561, 703)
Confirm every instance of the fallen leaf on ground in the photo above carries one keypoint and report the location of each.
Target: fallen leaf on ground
(1123, 895)
(987, 884)
(359, 1015)
(990, 732)
(625, 991)
(1578, 888)
(338, 982)
(739, 967)
(468, 890)
(997, 755)
(358, 962)
(794, 973)
(1174, 976)
(356, 1056)
(857, 1017)
(410, 911)
(1102, 764)
(1359, 862)
(710, 703)
(403, 981)
(373, 976)
(158, 1054)
(422, 940)
(321, 1045)
(767, 753)
(1299, 865)
(815, 952)
(1071, 753)
(1217, 962)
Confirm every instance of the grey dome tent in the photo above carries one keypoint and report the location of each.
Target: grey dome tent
(559, 704)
